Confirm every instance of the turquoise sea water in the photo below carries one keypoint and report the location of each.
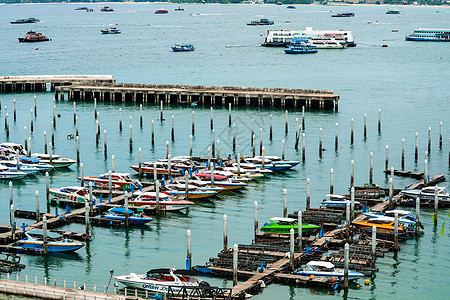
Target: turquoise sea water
(408, 81)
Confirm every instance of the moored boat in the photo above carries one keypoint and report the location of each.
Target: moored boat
(159, 280)
(25, 21)
(147, 200)
(429, 35)
(110, 30)
(118, 181)
(162, 168)
(12, 166)
(427, 194)
(383, 225)
(338, 202)
(14, 148)
(183, 48)
(300, 46)
(261, 22)
(284, 225)
(344, 15)
(72, 193)
(326, 269)
(393, 12)
(107, 9)
(194, 192)
(56, 160)
(161, 11)
(221, 181)
(34, 162)
(291, 7)
(33, 36)
(9, 174)
(118, 213)
(34, 239)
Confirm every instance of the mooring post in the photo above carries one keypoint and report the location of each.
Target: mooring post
(416, 152)
(352, 173)
(173, 128)
(440, 135)
(300, 230)
(297, 137)
(109, 184)
(14, 101)
(235, 264)
(270, 130)
(303, 118)
(285, 203)
(31, 121)
(396, 231)
(253, 146)
(161, 115)
(53, 133)
(44, 233)
(351, 134)
(255, 221)
(113, 163)
(239, 163)
(74, 111)
(17, 160)
(303, 147)
(97, 132)
(131, 138)
(308, 193)
(91, 196)
(263, 165)
(229, 114)
(403, 153)
(417, 215)
(190, 145)
(234, 138)
(352, 202)
(155, 173)
(7, 124)
(365, 126)
(212, 118)
(189, 252)
(386, 166)
(260, 140)
(186, 184)
(346, 263)
(95, 108)
(126, 209)
(213, 142)
(153, 132)
(253, 130)
(141, 119)
(50, 153)
(336, 138)
(35, 106)
(193, 123)
(374, 243)
(169, 165)
(436, 204)
(47, 187)
(76, 126)
(429, 140)
(13, 222)
(54, 115)
(391, 193)
(286, 126)
(77, 138)
(283, 142)
(218, 151)
(105, 144)
(29, 147)
(38, 211)
(320, 142)
(82, 174)
(425, 172)
(347, 218)
(86, 217)
(225, 233)
(10, 193)
(371, 169)
(212, 174)
(140, 162)
(291, 249)
(331, 181)
(157, 195)
(120, 119)
(25, 138)
(379, 121)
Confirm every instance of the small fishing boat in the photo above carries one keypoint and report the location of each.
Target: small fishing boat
(291, 7)
(161, 11)
(393, 12)
(261, 22)
(162, 168)
(25, 21)
(57, 161)
(34, 239)
(159, 280)
(147, 200)
(118, 213)
(300, 46)
(82, 8)
(183, 48)
(179, 8)
(325, 269)
(427, 194)
(107, 9)
(118, 181)
(284, 225)
(110, 30)
(383, 225)
(72, 193)
(33, 36)
(178, 189)
(12, 165)
(344, 15)
(9, 174)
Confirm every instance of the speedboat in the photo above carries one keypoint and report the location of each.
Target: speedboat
(325, 269)
(147, 200)
(162, 168)
(179, 8)
(118, 213)
(178, 189)
(202, 185)
(33, 162)
(57, 161)
(227, 174)
(118, 181)
(284, 225)
(427, 193)
(34, 239)
(300, 46)
(261, 22)
(33, 36)
(159, 280)
(161, 11)
(10, 174)
(107, 9)
(183, 48)
(12, 165)
(338, 202)
(73, 193)
(110, 30)
(405, 218)
(221, 181)
(393, 12)
(14, 147)
(25, 21)
(384, 225)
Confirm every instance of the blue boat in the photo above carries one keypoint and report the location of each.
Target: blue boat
(325, 269)
(183, 48)
(300, 46)
(429, 35)
(34, 239)
(118, 213)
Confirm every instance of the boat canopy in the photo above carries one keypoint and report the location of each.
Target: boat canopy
(174, 271)
(40, 233)
(30, 159)
(335, 196)
(121, 210)
(323, 264)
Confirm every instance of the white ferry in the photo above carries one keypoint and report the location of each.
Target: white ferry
(323, 38)
(429, 35)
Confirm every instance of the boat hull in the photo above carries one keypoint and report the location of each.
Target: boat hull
(51, 247)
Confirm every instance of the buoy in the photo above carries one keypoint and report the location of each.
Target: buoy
(36, 48)
(332, 279)
(367, 281)
(357, 285)
(312, 277)
(384, 46)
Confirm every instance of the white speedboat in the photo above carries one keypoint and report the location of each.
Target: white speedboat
(57, 161)
(159, 280)
(162, 168)
(118, 181)
(178, 189)
(427, 193)
(326, 269)
(73, 193)
(8, 174)
(34, 239)
(338, 202)
(12, 165)
(147, 200)
(14, 147)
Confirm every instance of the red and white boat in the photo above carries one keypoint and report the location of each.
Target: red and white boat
(147, 200)
(162, 168)
(222, 181)
(118, 181)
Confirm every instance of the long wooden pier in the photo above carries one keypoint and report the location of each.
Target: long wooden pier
(203, 95)
(39, 82)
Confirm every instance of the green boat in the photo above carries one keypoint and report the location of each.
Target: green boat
(284, 225)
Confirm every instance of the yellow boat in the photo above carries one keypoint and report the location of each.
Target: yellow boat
(384, 226)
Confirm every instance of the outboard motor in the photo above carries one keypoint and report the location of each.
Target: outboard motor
(137, 184)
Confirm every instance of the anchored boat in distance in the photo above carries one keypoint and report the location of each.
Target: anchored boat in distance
(429, 35)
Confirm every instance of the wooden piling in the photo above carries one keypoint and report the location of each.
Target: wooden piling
(213, 142)
(417, 215)
(141, 119)
(76, 126)
(320, 142)
(429, 140)
(190, 145)
(53, 133)
(161, 115)
(374, 243)
(155, 173)
(212, 118)
(352, 173)
(131, 138)
(31, 121)
(386, 165)
(235, 264)
(173, 128)
(255, 220)
(440, 135)
(303, 118)
(285, 203)
(403, 153)
(365, 126)
(283, 142)
(352, 203)
(29, 146)
(82, 174)
(347, 218)
(35, 106)
(253, 130)
(50, 153)
(425, 172)
(225, 233)
(234, 140)
(25, 138)
(120, 119)
(113, 163)
(346, 263)
(169, 165)
(391, 193)
(436, 204)
(17, 160)
(303, 147)
(74, 111)
(95, 108)
(86, 218)
(371, 169)
(308, 194)
(97, 132)
(336, 138)
(229, 114)
(416, 152)
(291, 249)
(126, 209)
(7, 124)
(351, 134)
(270, 130)
(189, 250)
(78, 148)
(12, 222)
(105, 144)
(260, 140)
(253, 146)
(286, 126)
(297, 137)
(396, 231)
(193, 123)
(10, 193)
(331, 181)
(15, 114)
(379, 121)
(239, 163)
(300, 230)
(44, 230)
(38, 211)
(54, 115)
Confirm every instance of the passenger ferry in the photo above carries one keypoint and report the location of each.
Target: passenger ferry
(429, 35)
(281, 38)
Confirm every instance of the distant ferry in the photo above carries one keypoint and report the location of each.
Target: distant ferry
(348, 14)
(393, 12)
(261, 22)
(429, 35)
(281, 38)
